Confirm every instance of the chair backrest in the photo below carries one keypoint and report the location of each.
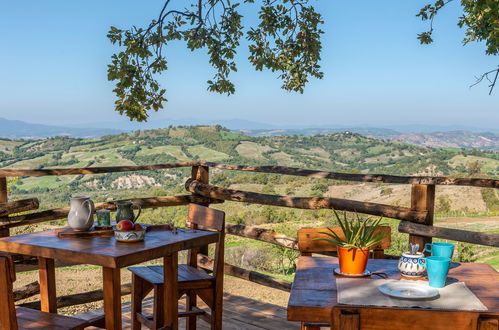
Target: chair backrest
(8, 319)
(202, 217)
(308, 245)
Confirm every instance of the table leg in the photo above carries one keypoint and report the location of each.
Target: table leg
(112, 297)
(48, 296)
(171, 291)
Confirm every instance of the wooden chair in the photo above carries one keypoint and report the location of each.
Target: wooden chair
(192, 280)
(307, 246)
(13, 318)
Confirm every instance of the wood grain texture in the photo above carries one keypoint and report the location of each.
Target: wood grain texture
(378, 178)
(314, 203)
(423, 199)
(22, 205)
(61, 213)
(4, 198)
(314, 296)
(488, 239)
(105, 251)
(308, 239)
(92, 170)
(170, 291)
(261, 234)
(112, 297)
(8, 319)
(47, 285)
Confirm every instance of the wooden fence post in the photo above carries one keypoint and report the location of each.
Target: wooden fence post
(201, 174)
(423, 199)
(4, 199)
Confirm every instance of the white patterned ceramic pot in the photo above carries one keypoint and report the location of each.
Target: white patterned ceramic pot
(411, 266)
(129, 236)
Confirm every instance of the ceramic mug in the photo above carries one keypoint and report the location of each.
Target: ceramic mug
(437, 269)
(409, 265)
(445, 250)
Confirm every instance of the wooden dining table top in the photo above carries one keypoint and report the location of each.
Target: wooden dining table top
(314, 294)
(106, 251)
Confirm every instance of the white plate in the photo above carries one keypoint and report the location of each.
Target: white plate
(364, 274)
(408, 290)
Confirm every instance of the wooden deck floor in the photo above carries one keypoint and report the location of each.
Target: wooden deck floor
(240, 313)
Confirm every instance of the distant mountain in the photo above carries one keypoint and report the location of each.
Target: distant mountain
(366, 131)
(453, 139)
(16, 129)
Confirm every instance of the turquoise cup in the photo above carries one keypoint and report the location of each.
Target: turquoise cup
(445, 250)
(437, 269)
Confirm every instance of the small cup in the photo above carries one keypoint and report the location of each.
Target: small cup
(445, 250)
(103, 218)
(437, 269)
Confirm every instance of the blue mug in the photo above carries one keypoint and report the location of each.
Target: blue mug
(445, 250)
(437, 269)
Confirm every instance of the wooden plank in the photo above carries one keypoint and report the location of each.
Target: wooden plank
(112, 297)
(8, 318)
(377, 178)
(61, 213)
(261, 234)
(488, 239)
(171, 291)
(47, 285)
(205, 217)
(410, 319)
(4, 232)
(249, 275)
(307, 239)
(22, 205)
(92, 170)
(105, 251)
(394, 212)
(80, 298)
(423, 199)
(488, 324)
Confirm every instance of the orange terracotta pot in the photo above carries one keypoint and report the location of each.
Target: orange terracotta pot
(353, 261)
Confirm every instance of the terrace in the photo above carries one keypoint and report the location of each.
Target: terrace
(241, 312)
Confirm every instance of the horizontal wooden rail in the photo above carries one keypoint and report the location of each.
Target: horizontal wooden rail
(79, 298)
(261, 234)
(388, 211)
(19, 206)
(249, 275)
(378, 178)
(488, 239)
(55, 214)
(27, 291)
(92, 170)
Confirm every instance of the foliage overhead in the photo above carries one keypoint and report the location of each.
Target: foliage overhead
(286, 39)
(480, 19)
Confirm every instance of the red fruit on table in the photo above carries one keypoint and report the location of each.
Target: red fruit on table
(124, 225)
(137, 226)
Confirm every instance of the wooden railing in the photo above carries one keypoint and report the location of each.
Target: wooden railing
(417, 221)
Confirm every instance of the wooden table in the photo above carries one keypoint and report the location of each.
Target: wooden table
(111, 255)
(314, 299)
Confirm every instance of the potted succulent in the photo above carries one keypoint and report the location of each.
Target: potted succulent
(360, 235)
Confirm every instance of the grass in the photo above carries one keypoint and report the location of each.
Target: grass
(174, 151)
(207, 154)
(488, 165)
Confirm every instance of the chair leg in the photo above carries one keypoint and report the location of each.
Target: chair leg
(137, 296)
(190, 303)
(158, 307)
(217, 309)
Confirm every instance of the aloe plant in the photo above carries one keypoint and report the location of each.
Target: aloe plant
(360, 233)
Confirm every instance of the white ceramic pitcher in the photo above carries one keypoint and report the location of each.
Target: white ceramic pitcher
(81, 215)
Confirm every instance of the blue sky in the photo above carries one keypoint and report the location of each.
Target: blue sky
(54, 57)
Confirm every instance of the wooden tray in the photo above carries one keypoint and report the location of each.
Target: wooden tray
(67, 232)
(70, 233)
